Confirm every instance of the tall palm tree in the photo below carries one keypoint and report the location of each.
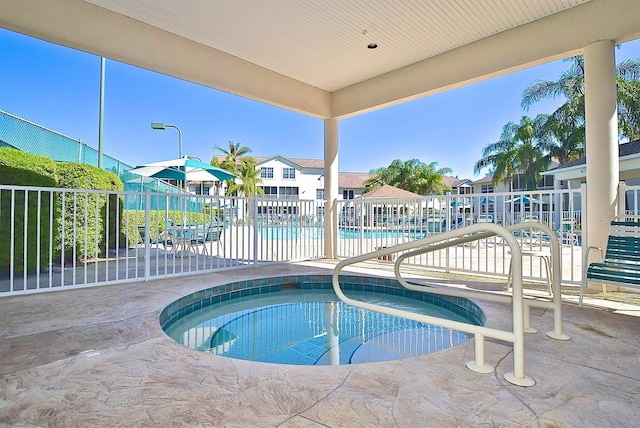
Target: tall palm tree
(233, 155)
(629, 108)
(379, 177)
(232, 161)
(570, 85)
(520, 150)
(430, 179)
(563, 141)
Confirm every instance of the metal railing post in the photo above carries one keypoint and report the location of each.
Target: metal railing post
(254, 214)
(147, 243)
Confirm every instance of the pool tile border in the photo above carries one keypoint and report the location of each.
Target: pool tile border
(221, 293)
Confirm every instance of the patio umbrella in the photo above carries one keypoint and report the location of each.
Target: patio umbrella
(184, 169)
(525, 199)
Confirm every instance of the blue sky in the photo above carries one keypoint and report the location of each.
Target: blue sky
(58, 88)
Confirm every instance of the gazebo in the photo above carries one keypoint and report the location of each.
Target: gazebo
(389, 204)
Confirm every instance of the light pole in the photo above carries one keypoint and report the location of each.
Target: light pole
(163, 126)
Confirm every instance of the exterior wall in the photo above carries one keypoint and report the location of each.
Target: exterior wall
(307, 180)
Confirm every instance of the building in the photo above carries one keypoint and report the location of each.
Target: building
(293, 178)
(571, 175)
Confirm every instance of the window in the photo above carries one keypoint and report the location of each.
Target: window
(288, 192)
(288, 173)
(347, 194)
(266, 172)
(320, 194)
(487, 188)
(202, 190)
(270, 191)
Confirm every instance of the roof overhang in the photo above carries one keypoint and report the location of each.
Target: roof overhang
(629, 168)
(301, 55)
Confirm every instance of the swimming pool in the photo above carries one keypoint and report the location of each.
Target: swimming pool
(299, 320)
(317, 232)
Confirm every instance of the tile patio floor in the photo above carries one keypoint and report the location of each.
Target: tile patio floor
(97, 357)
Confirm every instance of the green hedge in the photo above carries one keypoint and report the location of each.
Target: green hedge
(20, 168)
(69, 212)
(85, 214)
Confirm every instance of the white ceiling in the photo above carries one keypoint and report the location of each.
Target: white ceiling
(311, 56)
(323, 43)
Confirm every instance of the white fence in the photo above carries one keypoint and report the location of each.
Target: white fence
(60, 238)
(369, 224)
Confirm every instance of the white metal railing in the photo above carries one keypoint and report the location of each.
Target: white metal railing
(520, 306)
(52, 241)
(366, 224)
(55, 238)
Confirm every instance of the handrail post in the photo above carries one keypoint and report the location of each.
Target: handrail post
(479, 365)
(517, 377)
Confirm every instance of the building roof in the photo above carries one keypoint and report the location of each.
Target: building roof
(346, 180)
(624, 149)
(484, 180)
(454, 182)
(303, 163)
(352, 180)
(387, 191)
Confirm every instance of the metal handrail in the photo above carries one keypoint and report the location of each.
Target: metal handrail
(556, 280)
(520, 310)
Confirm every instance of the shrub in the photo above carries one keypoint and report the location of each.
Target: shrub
(85, 213)
(25, 169)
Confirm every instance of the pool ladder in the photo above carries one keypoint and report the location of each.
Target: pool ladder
(520, 305)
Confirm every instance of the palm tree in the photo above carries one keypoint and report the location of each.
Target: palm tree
(628, 108)
(233, 157)
(430, 179)
(412, 175)
(250, 177)
(570, 85)
(379, 177)
(563, 141)
(520, 150)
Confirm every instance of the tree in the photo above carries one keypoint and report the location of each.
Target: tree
(571, 114)
(430, 179)
(520, 150)
(233, 155)
(232, 161)
(250, 177)
(411, 175)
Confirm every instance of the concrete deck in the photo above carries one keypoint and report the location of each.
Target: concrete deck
(98, 357)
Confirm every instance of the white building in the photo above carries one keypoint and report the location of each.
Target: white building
(293, 178)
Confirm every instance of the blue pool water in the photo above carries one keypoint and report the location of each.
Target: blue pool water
(312, 327)
(317, 232)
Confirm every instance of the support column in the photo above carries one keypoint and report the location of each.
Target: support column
(601, 116)
(330, 187)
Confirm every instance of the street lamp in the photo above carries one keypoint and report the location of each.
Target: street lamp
(163, 126)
